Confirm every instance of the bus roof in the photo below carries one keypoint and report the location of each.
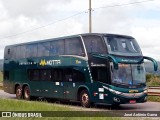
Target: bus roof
(72, 36)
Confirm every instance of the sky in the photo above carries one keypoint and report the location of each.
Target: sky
(31, 20)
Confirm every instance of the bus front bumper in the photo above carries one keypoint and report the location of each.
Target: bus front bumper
(129, 98)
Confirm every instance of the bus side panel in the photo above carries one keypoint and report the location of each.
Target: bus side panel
(8, 82)
(35, 88)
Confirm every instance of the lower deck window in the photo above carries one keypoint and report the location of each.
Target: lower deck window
(100, 74)
(6, 75)
(45, 75)
(72, 75)
(33, 74)
(58, 75)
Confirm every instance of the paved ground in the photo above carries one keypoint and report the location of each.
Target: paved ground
(6, 95)
(148, 106)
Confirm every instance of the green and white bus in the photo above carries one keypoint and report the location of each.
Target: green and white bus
(89, 68)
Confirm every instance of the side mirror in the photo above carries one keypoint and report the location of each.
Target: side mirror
(153, 61)
(115, 63)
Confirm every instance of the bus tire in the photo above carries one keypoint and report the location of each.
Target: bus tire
(26, 93)
(85, 99)
(18, 92)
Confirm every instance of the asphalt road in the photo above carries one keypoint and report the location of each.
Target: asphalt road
(148, 106)
(6, 95)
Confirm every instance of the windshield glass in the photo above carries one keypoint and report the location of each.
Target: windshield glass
(122, 46)
(129, 74)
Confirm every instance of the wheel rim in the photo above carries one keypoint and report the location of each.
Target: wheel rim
(85, 98)
(27, 93)
(18, 92)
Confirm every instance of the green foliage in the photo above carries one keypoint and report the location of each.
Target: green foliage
(154, 98)
(153, 80)
(22, 105)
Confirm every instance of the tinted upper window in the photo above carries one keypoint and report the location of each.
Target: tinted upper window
(9, 52)
(43, 49)
(57, 47)
(31, 50)
(74, 46)
(94, 44)
(20, 51)
(122, 46)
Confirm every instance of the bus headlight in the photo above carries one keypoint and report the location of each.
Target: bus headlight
(145, 91)
(114, 91)
(111, 90)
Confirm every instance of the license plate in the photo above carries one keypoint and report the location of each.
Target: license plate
(132, 101)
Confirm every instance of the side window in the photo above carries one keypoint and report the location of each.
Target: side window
(9, 52)
(31, 50)
(72, 75)
(45, 75)
(74, 46)
(6, 75)
(94, 44)
(57, 47)
(43, 49)
(112, 44)
(57, 75)
(78, 76)
(20, 51)
(68, 75)
(33, 74)
(100, 74)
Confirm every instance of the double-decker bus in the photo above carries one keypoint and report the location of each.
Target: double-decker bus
(90, 68)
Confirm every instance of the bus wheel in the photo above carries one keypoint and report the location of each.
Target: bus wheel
(84, 99)
(18, 92)
(26, 93)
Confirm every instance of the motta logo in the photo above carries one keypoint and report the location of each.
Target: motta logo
(43, 63)
(49, 62)
(133, 91)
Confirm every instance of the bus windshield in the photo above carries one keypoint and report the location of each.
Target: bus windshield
(122, 46)
(129, 74)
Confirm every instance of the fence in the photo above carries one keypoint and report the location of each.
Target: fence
(154, 90)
